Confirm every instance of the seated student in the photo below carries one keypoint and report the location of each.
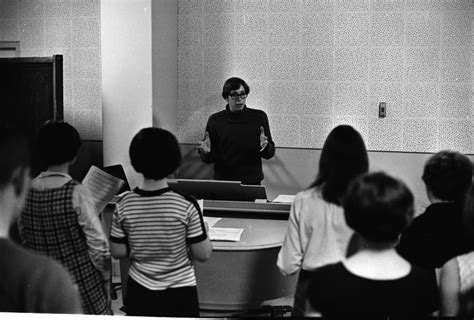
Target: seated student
(28, 282)
(457, 275)
(60, 220)
(317, 231)
(375, 280)
(161, 231)
(437, 236)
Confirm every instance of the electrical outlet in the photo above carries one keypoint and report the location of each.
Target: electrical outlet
(382, 109)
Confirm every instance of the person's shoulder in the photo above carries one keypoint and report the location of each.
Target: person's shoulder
(217, 115)
(185, 198)
(256, 111)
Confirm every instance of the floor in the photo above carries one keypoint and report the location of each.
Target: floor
(277, 307)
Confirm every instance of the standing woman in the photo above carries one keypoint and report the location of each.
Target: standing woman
(59, 219)
(317, 231)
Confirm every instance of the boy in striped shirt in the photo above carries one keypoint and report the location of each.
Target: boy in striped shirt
(161, 231)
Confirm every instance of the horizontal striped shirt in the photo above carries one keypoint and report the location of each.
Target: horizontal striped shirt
(158, 226)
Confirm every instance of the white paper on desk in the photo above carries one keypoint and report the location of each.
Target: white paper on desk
(103, 186)
(211, 221)
(284, 198)
(225, 234)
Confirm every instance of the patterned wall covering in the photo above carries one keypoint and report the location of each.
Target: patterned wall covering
(71, 28)
(314, 64)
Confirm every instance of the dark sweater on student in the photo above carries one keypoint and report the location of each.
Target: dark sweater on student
(435, 236)
(336, 292)
(235, 145)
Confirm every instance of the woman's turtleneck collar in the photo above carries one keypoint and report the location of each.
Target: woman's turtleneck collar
(235, 113)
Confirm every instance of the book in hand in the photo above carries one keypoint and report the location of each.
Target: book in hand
(103, 186)
(225, 234)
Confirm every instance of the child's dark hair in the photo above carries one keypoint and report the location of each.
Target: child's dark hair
(378, 207)
(234, 84)
(448, 175)
(343, 158)
(14, 154)
(58, 142)
(155, 153)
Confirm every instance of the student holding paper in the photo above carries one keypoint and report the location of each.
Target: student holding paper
(60, 220)
(161, 231)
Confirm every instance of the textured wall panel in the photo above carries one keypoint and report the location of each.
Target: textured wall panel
(9, 29)
(55, 39)
(386, 64)
(252, 62)
(389, 92)
(351, 28)
(321, 63)
(88, 123)
(456, 134)
(314, 131)
(350, 99)
(317, 63)
(30, 9)
(317, 5)
(422, 64)
(31, 33)
(351, 64)
(392, 5)
(387, 29)
(457, 28)
(354, 5)
(317, 29)
(456, 100)
(9, 9)
(316, 98)
(423, 29)
(284, 63)
(251, 5)
(284, 29)
(284, 97)
(385, 134)
(286, 130)
(456, 64)
(82, 8)
(92, 100)
(251, 30)
(86, 63)
(190, 64)
(421, 100)
(190, 30)
(57, 8)
(218, 30)
(85, 32)
(420, 135)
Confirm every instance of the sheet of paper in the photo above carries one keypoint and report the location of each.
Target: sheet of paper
(211, 221)
(102, 185)
(284, 198)
(225, 234)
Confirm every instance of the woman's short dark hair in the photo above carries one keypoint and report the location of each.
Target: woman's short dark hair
(234, 84)
(343, 158)
(14, 153)
(155, 153)
(448, 175)
(58, 142)
(378, 207)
